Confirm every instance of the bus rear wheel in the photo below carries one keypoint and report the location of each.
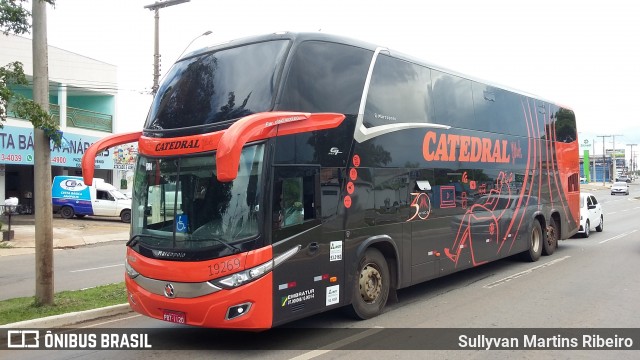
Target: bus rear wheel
(551, 238)
(67, 212)
(371, 286)
(536, 239)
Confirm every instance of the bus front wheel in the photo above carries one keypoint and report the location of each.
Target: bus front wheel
(371, 286)
(67, 212)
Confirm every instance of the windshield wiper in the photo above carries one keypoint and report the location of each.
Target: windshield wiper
(233, 249)
(134, 239)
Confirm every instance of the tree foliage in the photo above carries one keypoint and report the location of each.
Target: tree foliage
(14, 18)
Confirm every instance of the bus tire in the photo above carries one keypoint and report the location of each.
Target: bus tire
(371, 285)
(551, 238)
(536, 238)
(125, 216)
(67, 212)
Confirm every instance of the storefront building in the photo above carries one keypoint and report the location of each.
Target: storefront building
(82, 99)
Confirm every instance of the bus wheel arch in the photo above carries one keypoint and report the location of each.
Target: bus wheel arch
(67, 212)
(389, 250)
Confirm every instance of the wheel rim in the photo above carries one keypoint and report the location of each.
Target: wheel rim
(587, 228)
(535, 240)
(370, 283)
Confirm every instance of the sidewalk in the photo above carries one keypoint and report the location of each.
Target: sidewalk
(67, 233)
(594, 186)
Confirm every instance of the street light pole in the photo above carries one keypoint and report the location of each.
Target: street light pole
(208, 32)
(604, 160)
(156, 48)
(614, 156)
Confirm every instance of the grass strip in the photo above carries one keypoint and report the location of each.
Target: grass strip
(25, 308)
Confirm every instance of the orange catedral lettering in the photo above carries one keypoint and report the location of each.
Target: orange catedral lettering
(464, 148)
(442, 147)
(429, 138)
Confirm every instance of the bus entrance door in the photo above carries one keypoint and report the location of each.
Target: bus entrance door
(311, 279)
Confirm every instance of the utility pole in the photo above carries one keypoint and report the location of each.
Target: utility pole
(42, 160)
(156, 48)
(604, 159)
(594, 176)
(614, 171)
(631, 157)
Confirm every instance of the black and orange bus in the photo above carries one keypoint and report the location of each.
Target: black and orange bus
(284, 175)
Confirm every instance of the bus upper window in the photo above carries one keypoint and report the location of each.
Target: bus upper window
(399, 93)
(325, 77)
(218, 86)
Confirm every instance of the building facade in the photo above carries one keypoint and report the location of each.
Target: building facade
(82, 99)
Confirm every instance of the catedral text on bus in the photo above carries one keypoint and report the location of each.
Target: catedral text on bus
(284, 175)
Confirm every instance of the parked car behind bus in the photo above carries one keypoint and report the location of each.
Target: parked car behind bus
(590, 214)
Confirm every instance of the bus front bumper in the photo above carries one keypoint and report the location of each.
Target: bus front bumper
(246, 307)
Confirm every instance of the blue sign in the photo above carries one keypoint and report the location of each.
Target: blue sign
(16, 147)
(182, 222)
(70, 187)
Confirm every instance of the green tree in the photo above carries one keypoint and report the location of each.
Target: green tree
(14, 18)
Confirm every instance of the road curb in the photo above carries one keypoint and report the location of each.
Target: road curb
(70, 318)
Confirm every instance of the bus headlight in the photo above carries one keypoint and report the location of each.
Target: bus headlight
(256, 272)
(243, 277)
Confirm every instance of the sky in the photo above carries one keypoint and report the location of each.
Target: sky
(582, 54)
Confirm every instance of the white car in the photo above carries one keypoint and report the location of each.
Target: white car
(620, 187)
(590, 214)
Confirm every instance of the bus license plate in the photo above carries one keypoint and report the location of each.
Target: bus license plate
(177, 317)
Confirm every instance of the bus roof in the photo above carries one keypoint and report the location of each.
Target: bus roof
(298, 37)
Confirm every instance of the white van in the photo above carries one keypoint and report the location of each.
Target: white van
(71, 197)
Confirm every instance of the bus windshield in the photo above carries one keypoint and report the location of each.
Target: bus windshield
(178, 203)
(218, 86)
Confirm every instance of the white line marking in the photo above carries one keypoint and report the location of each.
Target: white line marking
(617, 237)
(96, 268)
(338, 344)
(110, 321)
(522, 273)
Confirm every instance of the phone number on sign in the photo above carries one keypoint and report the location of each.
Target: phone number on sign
(59, 160)
(11, 157)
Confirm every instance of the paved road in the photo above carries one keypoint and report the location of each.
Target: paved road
(74, 269)
(76, 264)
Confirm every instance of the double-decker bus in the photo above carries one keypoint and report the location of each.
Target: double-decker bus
(285, 175)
